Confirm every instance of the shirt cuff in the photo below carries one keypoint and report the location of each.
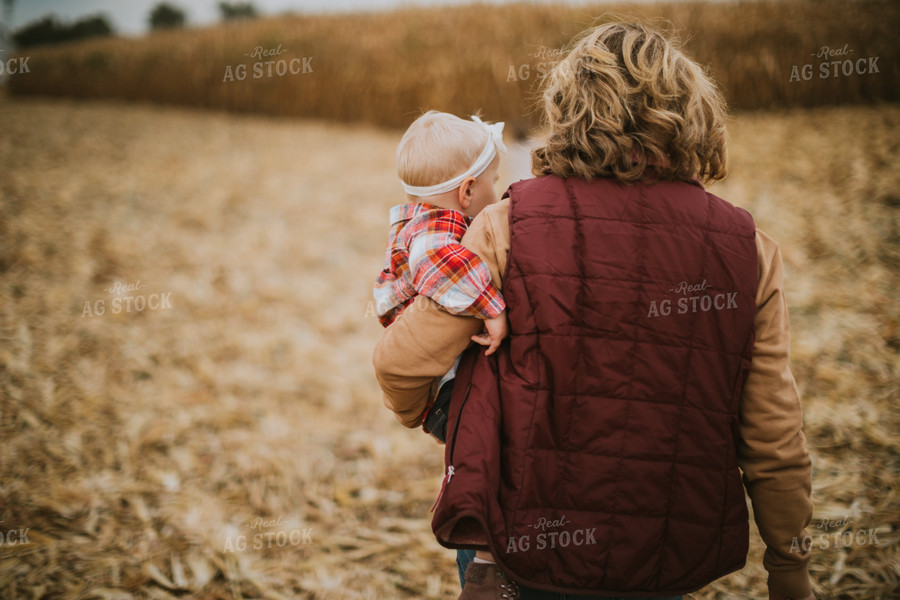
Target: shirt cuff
(488, 305)
(791, 584)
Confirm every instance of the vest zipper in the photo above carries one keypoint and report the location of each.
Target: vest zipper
(450, 469)
(444, 483)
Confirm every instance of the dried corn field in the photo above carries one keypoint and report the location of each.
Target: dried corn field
(224, 436)
(462, 58)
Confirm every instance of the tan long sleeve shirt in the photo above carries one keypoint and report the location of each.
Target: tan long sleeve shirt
(424, 341)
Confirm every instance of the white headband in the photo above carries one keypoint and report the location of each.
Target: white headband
(494, 143)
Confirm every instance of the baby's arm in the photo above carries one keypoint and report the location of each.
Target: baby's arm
(452, 275)
(494, 331)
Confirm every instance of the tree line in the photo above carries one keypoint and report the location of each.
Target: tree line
(49, 30)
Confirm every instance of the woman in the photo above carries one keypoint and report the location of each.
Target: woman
(602, 451)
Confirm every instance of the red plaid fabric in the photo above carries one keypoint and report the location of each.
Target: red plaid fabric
(424, 256)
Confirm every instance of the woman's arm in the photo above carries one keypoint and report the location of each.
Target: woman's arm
(424, 341)
(773, 453)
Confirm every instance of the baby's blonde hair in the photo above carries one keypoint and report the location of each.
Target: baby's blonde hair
(625, 98)
(438, 146)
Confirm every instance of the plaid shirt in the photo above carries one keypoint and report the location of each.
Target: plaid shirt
(424, 256)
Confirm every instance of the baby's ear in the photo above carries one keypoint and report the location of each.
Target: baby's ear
(465, 192)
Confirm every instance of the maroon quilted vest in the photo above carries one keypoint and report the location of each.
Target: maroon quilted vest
(595, 452)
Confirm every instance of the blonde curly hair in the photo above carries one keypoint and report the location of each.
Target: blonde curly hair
(625, 100)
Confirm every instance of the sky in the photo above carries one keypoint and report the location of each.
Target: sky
(130, 16)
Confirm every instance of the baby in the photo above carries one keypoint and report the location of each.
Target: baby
(448, 167)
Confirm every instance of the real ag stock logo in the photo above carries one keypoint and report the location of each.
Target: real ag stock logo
(126, 301)
(551, 535)
(692, 299)
(843, 536)
(14, 537)
(14, 65)
(843, 67)
(264, 538)
(548, 57)
(275, 67)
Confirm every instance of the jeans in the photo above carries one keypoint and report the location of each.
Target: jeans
(436, 421)
(464, 557)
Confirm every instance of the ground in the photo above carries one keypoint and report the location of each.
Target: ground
(224, 437)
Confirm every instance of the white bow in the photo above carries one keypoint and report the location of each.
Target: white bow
(495, 131)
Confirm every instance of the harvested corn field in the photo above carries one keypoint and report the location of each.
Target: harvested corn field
(187, 403)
